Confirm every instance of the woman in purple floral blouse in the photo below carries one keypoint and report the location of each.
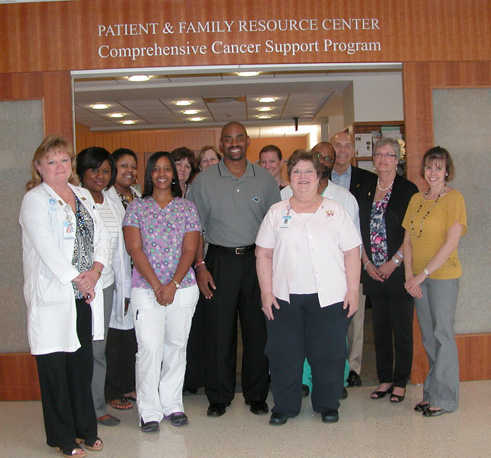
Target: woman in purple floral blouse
(162, 233)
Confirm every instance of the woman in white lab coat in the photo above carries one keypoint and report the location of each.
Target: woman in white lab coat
(65, 247)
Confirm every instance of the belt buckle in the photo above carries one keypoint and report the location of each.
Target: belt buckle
(240, 250)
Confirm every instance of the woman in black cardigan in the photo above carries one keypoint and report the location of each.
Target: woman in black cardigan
(382, 209)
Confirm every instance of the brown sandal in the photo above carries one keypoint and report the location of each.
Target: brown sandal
(120, 404)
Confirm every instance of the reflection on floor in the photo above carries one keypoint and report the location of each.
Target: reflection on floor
(367, 428)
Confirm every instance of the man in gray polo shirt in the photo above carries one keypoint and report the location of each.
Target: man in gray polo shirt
(232, 198)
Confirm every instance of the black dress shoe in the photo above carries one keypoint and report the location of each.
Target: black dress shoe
(278, 419)
(217, 409)
(258, 407)
(305, 390)
(353, 379)
(330, 416)
(345, 393)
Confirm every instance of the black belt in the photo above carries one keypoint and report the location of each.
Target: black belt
(236, 250)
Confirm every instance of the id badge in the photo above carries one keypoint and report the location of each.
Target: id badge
(285, 224)
(68, 230)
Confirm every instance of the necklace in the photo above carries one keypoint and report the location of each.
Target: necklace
(384, 189)
(428, 212)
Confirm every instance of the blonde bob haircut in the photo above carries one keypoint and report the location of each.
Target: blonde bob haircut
(51, 144)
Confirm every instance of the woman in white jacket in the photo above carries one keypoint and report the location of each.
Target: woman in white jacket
(65, 247)
(121, 344)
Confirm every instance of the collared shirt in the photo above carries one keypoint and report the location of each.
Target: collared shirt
(329, 233)
(343, 180)
(231, 209)
(162, 232)
(340, 195)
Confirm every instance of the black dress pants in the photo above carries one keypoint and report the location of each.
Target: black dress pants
(302, 328)
(393, 328)
(65, 380)
(237, 294)
(121, 350)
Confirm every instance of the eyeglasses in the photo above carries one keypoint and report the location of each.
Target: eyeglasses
(381, 155)
(327, 159)
(308, 172)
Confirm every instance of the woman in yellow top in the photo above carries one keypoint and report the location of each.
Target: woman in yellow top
(434, 222)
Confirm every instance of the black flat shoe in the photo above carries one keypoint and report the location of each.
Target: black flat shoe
(434, 413)
(398, 397)
(278, 419)
(330, 416)
(305, 391)
(258, 407)
(354, 379)
(217, 409)
(380, 394)
(421, 406)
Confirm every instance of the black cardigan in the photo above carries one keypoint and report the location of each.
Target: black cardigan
(402, 191)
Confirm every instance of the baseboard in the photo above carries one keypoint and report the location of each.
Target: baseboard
(18, 377)
(474, 357)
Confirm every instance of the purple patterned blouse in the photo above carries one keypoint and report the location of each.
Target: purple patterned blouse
(162, 231)
(378, 233)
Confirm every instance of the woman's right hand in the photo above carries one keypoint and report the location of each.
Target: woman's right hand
(373, 272)
(269, 300)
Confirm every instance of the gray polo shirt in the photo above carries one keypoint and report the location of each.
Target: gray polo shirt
(231, 209)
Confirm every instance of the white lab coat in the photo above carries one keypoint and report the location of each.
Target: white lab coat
(121, 267)
(48, 271)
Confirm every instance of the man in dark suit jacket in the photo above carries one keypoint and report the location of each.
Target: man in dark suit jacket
(352, 178)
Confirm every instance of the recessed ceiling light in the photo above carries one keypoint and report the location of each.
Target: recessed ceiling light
(138, 78)
(267, 99)
(99, 106)
(128, 122)
(265, 109)
(248, 73)
(196, 119)
(188, 112)
(264, 116)
(116, 115)
(182, 103)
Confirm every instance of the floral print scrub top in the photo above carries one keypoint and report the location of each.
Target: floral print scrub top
(162, 231)
(378, 233)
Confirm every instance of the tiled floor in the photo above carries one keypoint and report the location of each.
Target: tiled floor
(367, 428)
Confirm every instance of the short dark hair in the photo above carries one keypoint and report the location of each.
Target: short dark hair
(148, 184)
(438, 153)
(185, 153)
(302, 155)
(273, 148)
(120, 152)
(92, 158)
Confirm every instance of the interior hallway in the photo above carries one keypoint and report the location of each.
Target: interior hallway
(367, 428)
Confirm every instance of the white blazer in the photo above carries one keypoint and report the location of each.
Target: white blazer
(48, 270)
(121, 267)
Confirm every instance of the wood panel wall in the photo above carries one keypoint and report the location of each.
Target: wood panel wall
(53, 88)
(53, 36)
(18, 377)
(419, 78)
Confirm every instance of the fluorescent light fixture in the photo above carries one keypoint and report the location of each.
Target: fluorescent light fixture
(265, 109)
(190, 112)
(128, 122)
(116, 115)
(264, 116)
(138, 78)
(182, 103)
(99, 106)
(196, 119)
(267, 99)
(248, 73)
